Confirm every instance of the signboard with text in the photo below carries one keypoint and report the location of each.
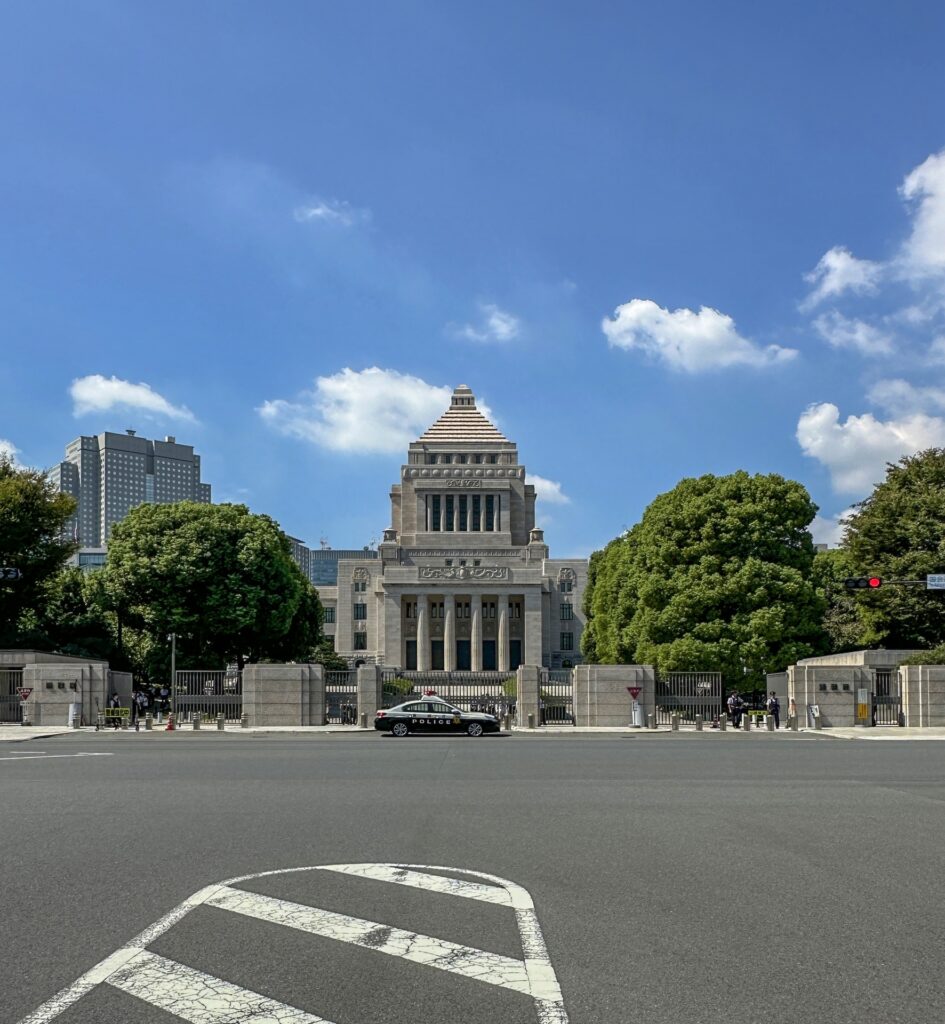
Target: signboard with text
(634, 691)
(24, 692)
(935, 581)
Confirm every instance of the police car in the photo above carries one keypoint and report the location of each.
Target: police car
(433, 715)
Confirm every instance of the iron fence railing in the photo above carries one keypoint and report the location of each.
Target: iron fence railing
(688, 694)
(341, 696)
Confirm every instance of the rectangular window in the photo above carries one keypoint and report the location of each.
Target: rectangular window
(448, 521)
(410, 609)
(490, 513)
(461, 459)
(360, 641)
(433, 610)
(477, 561)
(477, 458)
(360, 586)
(565, 586)
(329, 615)
(463, 515)
(360, 611)
(449, 561)
(567, 641)
(435, 525)
(567, 612)
(431, 460)
(476, 511)
(493, 459)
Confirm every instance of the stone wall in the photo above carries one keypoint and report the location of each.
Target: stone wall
(832, 688)
(601, 698)
(923, 695)
(284, 695)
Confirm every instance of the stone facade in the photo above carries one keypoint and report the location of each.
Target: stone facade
(463, 580)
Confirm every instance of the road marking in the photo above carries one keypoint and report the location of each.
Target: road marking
(49, 757)
(200, 998)
(427, 882)
(382, 938)
(203, 999)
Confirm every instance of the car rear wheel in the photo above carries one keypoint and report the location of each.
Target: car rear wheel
(399, 729)
(474, 729)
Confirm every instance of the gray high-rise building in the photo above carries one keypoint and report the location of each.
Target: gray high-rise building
(109, 474)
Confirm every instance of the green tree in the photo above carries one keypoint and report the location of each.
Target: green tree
(218, 576)
(33, 518)
(898, 532)
(843, 624)
(718, 575)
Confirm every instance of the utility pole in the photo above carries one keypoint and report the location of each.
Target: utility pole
(173, 639)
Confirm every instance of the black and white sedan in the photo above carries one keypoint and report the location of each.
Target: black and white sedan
(433, 715)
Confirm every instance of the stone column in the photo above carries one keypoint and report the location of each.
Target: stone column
(527, 696)
(531, 652)
(503, 602)
(449, 632)
(369, 692)
(423, 633)
(475, 641)
(482, 513)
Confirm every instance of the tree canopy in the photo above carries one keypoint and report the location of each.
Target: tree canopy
(898, 533)
(718, 575)
(218, 576)
(33, 517)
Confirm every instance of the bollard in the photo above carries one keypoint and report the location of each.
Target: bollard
(507, 722)
(674, 723)
(794, 725)
(148, 723)
(221, 721)
(817, 723)
(698, 723)
(197, 720)
(124, 721)
(363, 719)
(651, 721)
(531, 720)
(769, 722)
(746, 723)
(723, 723)
(244, 720)
(99, 721)
(75, 721)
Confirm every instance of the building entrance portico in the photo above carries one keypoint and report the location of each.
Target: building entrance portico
(464, 631)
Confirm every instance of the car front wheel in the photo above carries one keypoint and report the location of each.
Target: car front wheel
(399, 729)
(474, 729)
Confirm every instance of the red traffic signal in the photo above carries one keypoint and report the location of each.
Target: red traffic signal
(875, 582)
(863, 583)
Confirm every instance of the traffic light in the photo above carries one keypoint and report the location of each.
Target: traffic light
(863, 583)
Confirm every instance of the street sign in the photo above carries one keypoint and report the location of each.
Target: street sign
(24, 692)
(634, 691)
(7, 572)
(935, 581)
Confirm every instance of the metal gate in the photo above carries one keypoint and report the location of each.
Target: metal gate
(11, 707)
(688, 694)
(341, 696)
(887, 705)
(211, 692)
(490, 692)
(556, 696)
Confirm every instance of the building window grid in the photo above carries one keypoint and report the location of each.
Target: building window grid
(329, 615)
(360, 641)
(567, 610)
(360, 611)
(567, 641)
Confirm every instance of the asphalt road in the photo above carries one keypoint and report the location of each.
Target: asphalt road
(675, 878)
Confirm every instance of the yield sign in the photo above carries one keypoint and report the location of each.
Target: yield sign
(189, 994)
(634, 691)
(24, 692)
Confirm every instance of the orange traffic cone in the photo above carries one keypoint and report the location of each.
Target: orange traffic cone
(170, 723)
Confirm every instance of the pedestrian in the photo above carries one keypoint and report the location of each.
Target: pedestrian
(139, 708)
(774, 709)
(736, 707)
(164, 698)
(114, 706)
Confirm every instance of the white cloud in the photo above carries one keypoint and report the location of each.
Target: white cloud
(688, 341)
(899, 396)
(362, 412)
(494, 325)
(842, 332)
(840, 271)
(548, 491)
(96, 393)
(856, 452)
(9, 449)
(331, 211)
(923, 253)
(829, 529)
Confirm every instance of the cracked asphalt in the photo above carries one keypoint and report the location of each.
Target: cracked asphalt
(676, 879)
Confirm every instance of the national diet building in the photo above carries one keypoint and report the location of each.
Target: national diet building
(463, 580)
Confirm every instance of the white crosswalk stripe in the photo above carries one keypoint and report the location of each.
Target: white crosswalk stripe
(201, 998)
(419, 949)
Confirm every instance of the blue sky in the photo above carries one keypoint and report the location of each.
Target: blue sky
(657, 240)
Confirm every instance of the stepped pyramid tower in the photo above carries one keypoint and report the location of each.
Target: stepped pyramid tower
(464, 581)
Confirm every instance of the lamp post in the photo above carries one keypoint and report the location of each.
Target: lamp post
(173, 639)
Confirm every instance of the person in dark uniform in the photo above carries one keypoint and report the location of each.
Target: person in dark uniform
(774, 708)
